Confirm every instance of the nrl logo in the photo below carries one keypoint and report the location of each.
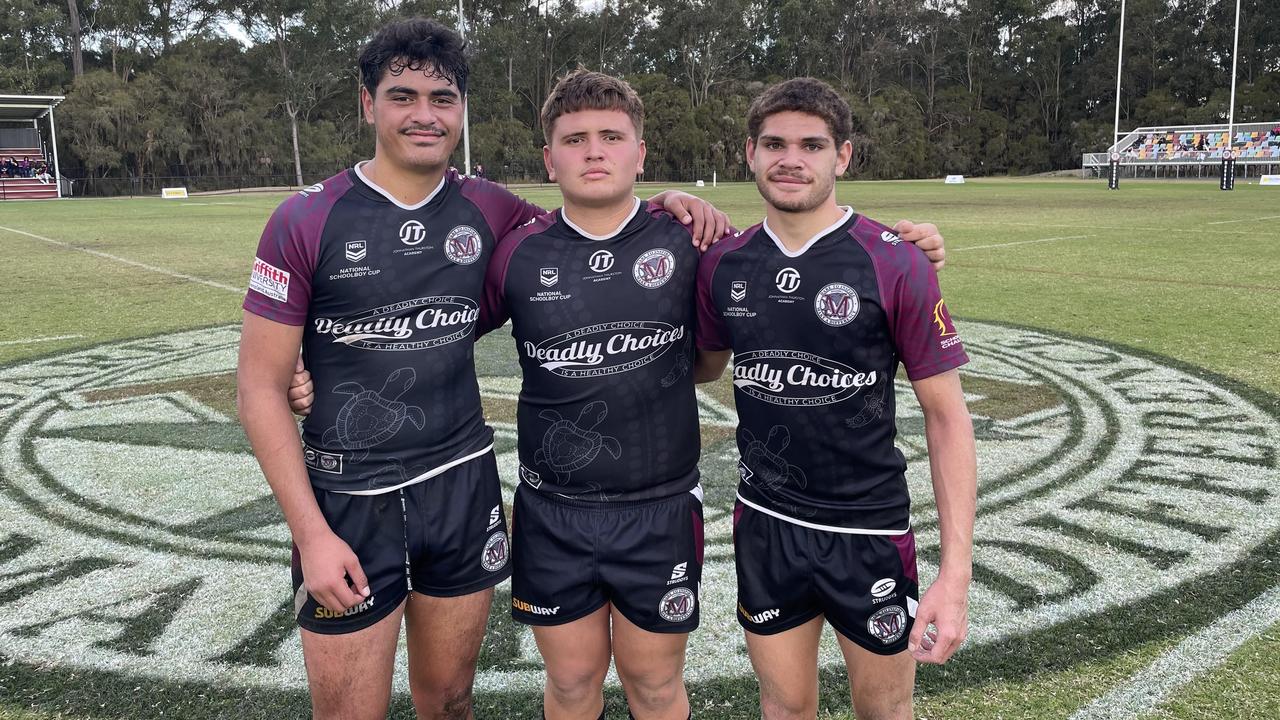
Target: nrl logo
(549, 276)
(356, 251)
(1111, 483)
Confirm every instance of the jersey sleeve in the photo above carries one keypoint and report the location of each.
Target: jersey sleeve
(923, 333)
(502, 210)
(494, 312)
(280, 282)
(712, 332)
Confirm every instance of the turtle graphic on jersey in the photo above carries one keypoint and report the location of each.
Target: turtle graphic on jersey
(371, 418)
(766, 462)
(568, 446)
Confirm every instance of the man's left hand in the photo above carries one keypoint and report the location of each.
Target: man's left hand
(946, 607)
(706, 223)
(926, 237)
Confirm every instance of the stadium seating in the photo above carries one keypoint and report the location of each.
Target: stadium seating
(25, 188)
(1258, 144)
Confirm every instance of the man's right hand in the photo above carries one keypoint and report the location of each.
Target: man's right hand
(327, 562)
(301, 392)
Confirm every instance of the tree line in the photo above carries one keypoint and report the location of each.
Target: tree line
(224, 88)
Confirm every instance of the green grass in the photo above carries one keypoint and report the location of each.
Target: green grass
(1177, 270)
(1154, 274)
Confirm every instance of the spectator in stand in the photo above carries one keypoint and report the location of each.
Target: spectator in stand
(8, 168)
(42, 173)
(24, 168)
(479, 170)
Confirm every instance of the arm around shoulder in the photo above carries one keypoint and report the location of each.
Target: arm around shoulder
(709, 365)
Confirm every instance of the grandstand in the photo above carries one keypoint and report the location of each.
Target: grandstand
(1192, 151)
(21, 139)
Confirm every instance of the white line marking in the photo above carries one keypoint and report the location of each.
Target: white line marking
(126, 261)
(1224, 222)
(1194, 656)
(1023, 242)
(28, 341)
(1076, 226)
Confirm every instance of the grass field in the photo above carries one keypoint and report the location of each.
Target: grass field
(1125, 385)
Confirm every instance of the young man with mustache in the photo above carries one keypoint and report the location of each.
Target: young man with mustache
(819, 306)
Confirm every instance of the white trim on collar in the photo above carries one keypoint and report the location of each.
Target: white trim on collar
(378, 189)
(848, 213)
(634, 209)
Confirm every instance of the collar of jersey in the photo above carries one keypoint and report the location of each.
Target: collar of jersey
(634, 209)
(848, 213)
(378, 189)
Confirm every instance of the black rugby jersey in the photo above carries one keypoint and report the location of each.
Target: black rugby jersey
(817, 336)
(604, 332)
(389, 295)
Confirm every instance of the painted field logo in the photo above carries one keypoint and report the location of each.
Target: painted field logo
(604, 349)
(797, 379)
(417, 324)
(139, 545)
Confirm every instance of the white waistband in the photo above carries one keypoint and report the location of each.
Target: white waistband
(424, 476)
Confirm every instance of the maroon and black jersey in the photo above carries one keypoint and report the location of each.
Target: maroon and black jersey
(817, 336)
(389, 295)
(604, 332)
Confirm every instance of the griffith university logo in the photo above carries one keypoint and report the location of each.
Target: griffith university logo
(1114, 485)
